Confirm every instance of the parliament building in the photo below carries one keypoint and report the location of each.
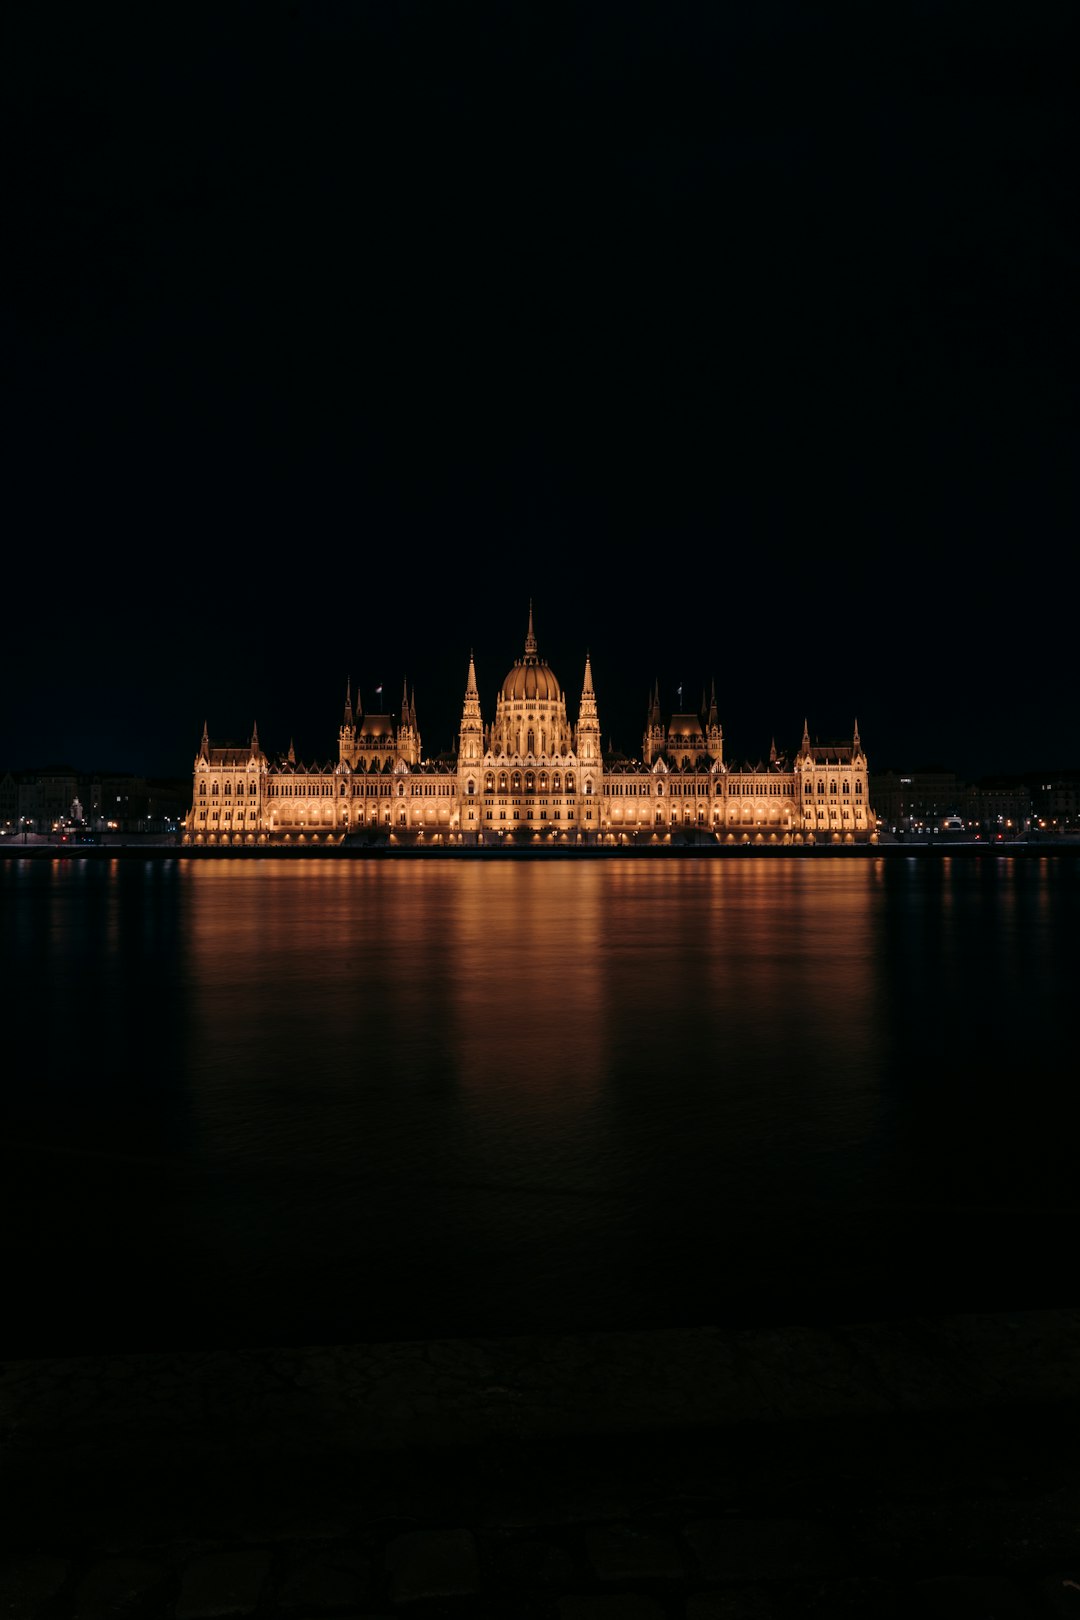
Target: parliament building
(530, 775)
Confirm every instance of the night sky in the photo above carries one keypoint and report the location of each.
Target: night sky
(741, 339)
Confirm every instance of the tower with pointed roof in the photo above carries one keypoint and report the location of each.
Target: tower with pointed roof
(408, 734)
(714, 731)
(652, 745)
(587, 733)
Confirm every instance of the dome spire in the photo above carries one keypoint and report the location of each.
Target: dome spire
(587, 689)
(530, 638)
(470, 685)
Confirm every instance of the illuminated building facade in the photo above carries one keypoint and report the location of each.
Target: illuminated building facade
(533, 773)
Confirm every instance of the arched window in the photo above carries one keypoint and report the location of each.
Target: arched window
(489, 782)
(401, 790)
(569, 781)
(502, 781)
(228, 789)
(470, 787)
(543, 782)
(251, 787)
(516, 782)
(214, 790)
(202, 790)
(530, 782)
(588, 785)
(531, 748)
(555, 781)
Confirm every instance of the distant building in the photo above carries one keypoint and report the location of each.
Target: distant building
(531, 772)
(917, 800)
(1055, 801)
(49, 799)
(9, 803)
(1000, 804)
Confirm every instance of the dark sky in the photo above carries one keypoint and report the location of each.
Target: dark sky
(740, 338)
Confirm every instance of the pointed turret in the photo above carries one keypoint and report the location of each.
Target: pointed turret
(714, 731)
(654, 729)
(292, 753)
(204, 746)
(806, 736)
(347, 733)
(530, 638)
(254, 736)
(588, 726)
(471, 730)
(856, 742)
(773, 756)
(408, 738)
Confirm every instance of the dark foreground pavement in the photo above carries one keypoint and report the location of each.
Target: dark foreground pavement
(928, 1467)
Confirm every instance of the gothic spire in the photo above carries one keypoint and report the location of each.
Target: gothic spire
(587, 689)
(714, 718)
(254, 736)
(204, 746)
(470, 684)
(806, 736)
(348, 719)
(530, 638)
(857, 744)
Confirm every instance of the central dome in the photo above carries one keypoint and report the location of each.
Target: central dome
(530, 677)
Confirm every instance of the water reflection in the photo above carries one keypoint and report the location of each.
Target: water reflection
(304, 1100)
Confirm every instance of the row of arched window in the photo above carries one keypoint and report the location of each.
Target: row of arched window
(252, 789)
(533, 782)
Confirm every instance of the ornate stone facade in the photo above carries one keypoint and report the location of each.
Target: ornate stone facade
(531, 774)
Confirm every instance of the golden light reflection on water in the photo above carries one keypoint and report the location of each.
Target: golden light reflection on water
(526, 995)
(363, 1097)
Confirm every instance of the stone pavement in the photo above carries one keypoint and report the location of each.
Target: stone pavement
(928, 1467)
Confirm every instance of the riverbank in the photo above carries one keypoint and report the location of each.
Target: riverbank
(927, 1466)
(909, 850)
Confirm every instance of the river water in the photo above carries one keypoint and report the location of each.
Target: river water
(295, 1102)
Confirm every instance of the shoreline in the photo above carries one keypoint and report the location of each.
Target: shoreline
(1015, 850)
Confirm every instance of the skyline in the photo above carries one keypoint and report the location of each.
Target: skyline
(743, 344)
